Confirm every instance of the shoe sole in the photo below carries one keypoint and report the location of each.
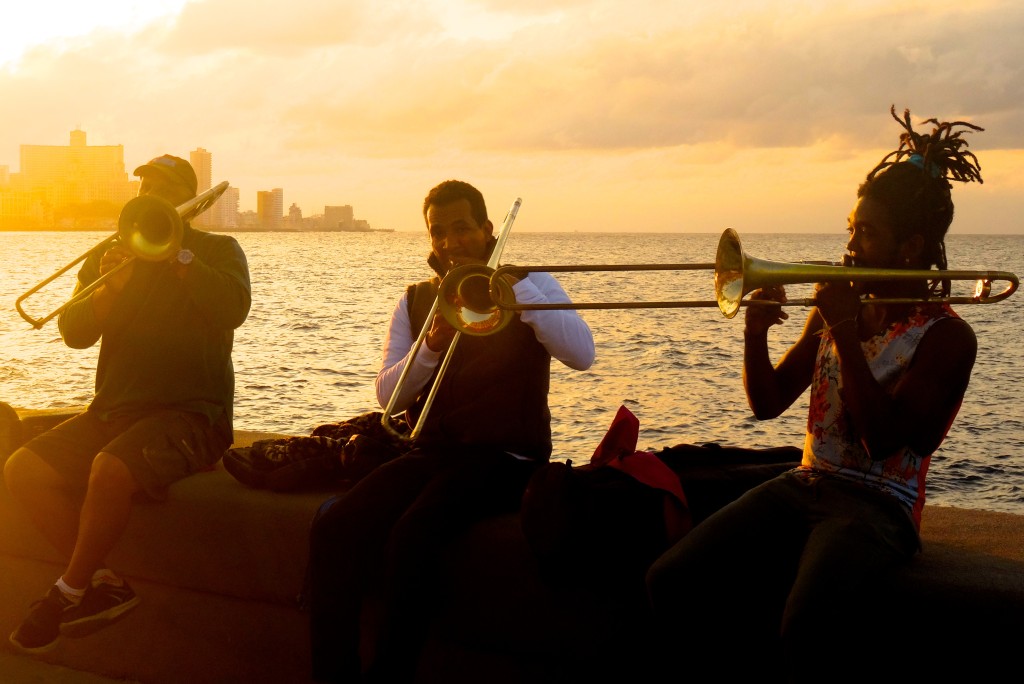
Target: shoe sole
(94, 623)
(36, 650)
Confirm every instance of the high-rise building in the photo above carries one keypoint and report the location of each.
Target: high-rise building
(278, 209)
(202, 164)
(227, 209)
(68, 184)
(338, 218)
(264, 201)
(270, 208)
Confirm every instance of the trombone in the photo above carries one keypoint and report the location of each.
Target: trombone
(736, 275)
(470, 277)
(149, 226)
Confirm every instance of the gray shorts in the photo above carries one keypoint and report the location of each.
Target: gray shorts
(159, 447)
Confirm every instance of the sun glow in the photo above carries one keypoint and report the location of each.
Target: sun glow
(27, 25)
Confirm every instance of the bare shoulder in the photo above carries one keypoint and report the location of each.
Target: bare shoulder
(947, 353)
(952, 336)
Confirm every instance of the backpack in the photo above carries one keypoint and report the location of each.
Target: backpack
(611, 517)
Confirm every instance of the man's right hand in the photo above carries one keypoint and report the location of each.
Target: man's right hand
(440, 335)
(111, 259)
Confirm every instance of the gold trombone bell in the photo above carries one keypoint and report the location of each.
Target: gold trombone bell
(465, 300)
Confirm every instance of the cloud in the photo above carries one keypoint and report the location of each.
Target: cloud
(285, 29)
(754, 83)
(323, 93)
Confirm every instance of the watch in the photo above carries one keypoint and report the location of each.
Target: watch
(184, 257)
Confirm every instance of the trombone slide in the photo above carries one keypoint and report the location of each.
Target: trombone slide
(737, 274)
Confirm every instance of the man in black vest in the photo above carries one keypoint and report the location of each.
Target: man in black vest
(486, 432)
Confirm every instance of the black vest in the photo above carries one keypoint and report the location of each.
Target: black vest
(494, 392)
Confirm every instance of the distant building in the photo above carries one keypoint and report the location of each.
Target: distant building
(264, 201)
(248, 220)
(66, 186)
(226, 209)
(294, 217)
(277, 197)
(202, 164)
(338, 218)
(270, 209)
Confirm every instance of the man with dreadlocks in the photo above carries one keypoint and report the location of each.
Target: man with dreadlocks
(788, 569)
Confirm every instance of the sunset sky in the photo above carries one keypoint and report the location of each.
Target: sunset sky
(658, 115)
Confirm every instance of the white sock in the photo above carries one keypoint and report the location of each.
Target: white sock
(70, 593)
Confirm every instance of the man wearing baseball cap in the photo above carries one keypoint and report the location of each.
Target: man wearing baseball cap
(174, 169)
(162, 408)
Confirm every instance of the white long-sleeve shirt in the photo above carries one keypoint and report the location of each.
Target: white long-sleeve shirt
(565, 336)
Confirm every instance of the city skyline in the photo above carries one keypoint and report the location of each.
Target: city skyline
(757, 115)
(80, 186)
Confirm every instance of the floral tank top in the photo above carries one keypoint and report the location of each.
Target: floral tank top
(830, 445)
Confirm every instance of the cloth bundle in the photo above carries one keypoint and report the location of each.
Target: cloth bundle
(332, 454)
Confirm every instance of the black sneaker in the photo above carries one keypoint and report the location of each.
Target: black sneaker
(41, 628)
(103, 604)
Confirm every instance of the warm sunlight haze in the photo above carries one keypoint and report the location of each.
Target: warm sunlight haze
(757, 115)
(49, 23)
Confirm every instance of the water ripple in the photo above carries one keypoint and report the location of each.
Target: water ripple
(310, 349)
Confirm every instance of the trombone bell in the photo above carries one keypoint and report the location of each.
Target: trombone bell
(730, 267)
(464, 299)
(150, 228)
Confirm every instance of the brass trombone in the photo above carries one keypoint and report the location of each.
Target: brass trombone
(149, 226)
(736, 275)
(483, 315)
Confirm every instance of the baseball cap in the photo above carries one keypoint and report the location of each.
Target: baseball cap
(174, 168)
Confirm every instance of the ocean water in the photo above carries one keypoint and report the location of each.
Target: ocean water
(310, 349)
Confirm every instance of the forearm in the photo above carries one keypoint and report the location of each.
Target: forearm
(564, 334)
(873, 411)
(80, 323)
(397, 350)
(771, 389)
(419, 374)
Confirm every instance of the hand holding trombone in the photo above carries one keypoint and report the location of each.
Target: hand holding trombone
(150, 227)
(475, 281)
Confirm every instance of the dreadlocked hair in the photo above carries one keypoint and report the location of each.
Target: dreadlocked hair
(913, 182)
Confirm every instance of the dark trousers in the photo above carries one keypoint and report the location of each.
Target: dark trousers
(388, 533)
(774, 586)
